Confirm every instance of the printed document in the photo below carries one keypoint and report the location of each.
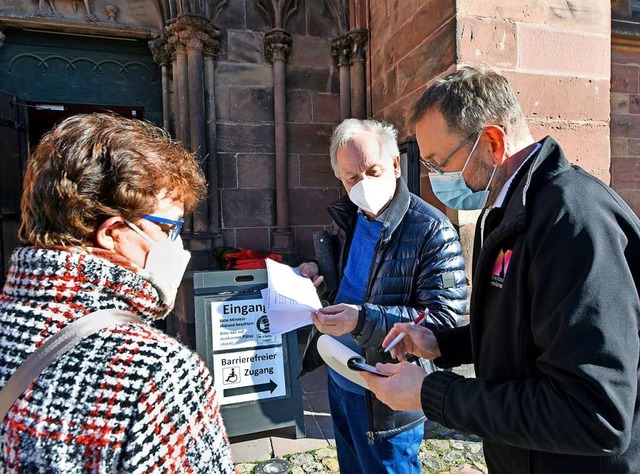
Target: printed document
(289, 298)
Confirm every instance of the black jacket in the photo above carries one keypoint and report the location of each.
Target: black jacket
(554, 329)
(417, 264)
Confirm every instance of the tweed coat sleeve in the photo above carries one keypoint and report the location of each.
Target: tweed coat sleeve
(178, 427)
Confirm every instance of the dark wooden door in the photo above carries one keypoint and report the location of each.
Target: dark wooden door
(14, 149)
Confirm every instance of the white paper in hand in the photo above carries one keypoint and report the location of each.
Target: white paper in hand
(289, 299)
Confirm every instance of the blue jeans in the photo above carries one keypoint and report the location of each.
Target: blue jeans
(393, 455)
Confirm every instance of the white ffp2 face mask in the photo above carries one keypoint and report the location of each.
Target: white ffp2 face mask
(166, 263)
(372, 194)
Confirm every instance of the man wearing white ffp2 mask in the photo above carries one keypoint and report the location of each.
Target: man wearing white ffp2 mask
(396, 256)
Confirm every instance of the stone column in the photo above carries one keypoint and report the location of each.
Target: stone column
(277, 44)
(2, 37)
(212, 158)
(180, 80)
(359, 60)
(162, 56)
(341, 54)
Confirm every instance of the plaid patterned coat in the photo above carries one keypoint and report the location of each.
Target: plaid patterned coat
(127, 399)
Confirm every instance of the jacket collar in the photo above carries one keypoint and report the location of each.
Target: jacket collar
(344, 212)
(547, 163)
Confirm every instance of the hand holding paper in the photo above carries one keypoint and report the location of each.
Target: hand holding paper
(289, 298)
(336, 320)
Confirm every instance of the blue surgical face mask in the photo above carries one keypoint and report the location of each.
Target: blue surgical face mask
(452, 190)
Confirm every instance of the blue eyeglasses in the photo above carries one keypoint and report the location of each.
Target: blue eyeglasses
(172, 227)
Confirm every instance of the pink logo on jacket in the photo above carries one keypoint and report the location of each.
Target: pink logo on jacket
(500, 268)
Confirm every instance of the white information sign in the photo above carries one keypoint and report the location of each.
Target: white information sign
(238, 324)
(244, 376)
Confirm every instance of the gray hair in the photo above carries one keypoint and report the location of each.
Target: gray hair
(470, 99)
(349, 129)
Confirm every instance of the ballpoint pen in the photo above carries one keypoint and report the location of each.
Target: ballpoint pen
(400, 336)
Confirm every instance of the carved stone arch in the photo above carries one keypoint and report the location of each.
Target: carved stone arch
(337, 12)
(276, 13)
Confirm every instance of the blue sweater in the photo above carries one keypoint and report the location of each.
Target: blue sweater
(354, 282)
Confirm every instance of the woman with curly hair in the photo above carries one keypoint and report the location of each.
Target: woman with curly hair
(102, 208)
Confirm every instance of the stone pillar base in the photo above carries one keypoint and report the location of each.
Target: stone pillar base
(283, 241)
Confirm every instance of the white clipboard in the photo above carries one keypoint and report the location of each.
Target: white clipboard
(340, 358)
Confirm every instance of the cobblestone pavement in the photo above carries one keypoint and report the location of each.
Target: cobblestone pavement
(443, 451)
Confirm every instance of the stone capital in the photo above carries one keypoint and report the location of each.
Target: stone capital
(193, 32)
(359, 38)
(341, 51)
(277, 44)
(160, 50)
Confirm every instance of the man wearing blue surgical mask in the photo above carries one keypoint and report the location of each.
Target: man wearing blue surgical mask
(395, 257)
(555, 309)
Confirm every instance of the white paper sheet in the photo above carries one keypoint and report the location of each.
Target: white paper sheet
(289, 298)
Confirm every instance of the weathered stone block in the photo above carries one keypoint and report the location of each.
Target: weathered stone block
(624, 78)
(316, 172)
(314, 79)
(544, 96)
(620, 57)
(243, 75)
(245, 138)
(228, 170)
(543, 49)
(293, 171)
(594, 15)
(308, 205)
(421, 19)
(531, 11)
(625, 173)
(620, 147)
(309, 51)
(256, 238)
(326, 108)
(248, 207)
(256, 171)
(384, 91)
(633, 148)
(229, 236)
(619, 103)
(251, 104)
(634, 104)
(223, 103)
(245, 46)
(426, 61)
(584, 144)
(487, 42)
(308, 138)
(299, 106)
(625, 125)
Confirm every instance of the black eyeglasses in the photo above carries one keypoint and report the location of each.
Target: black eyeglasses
(438, 168)
(174, 227)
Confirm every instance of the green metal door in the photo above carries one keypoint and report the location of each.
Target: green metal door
(74, 69)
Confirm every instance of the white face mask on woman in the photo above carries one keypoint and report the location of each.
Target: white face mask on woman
(372, 194)
(166, 263)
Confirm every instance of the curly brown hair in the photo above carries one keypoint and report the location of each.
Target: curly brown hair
(94, 166)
